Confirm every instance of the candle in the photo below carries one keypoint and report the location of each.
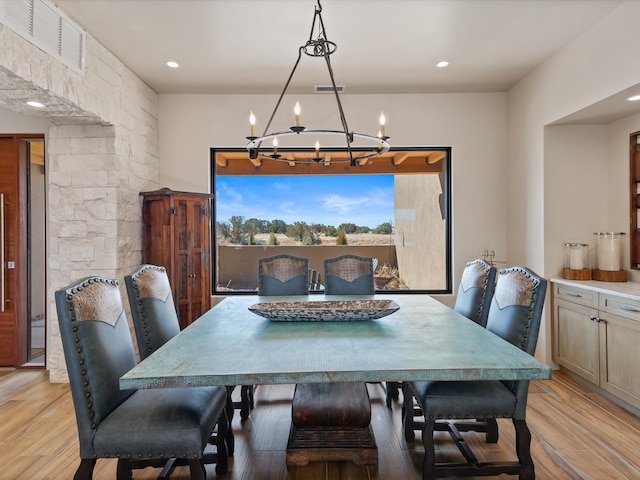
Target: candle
(382, 121)
(252, 121)
(317, 148)
(275, 145)
(575, 258)
(296, 110)
(608, 253)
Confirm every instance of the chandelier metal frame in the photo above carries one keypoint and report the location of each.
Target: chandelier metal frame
(317, 47)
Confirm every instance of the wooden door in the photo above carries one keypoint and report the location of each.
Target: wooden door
(13, 255)
(177, 236)
(192, 256)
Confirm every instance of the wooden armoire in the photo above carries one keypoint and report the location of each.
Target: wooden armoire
(177, 236)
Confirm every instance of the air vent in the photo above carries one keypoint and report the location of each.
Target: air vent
(42, 24)
(328, 88)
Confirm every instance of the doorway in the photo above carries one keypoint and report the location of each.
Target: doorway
(22, 251)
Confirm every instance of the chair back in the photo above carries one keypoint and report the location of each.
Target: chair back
(515, 315)
(153, 311)
(283, 275)
(349, 275)
(98, 350)
(475, 291)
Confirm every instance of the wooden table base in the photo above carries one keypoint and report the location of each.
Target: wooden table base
(331, 422)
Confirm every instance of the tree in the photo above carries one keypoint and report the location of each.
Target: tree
(272, 239)
(384, 228)
(223, 229)
(342, 237)
(296, 230)
(237, 224)
(331, 231)
(309, 238)
(277, 226)
(348, 227)
(251, 239)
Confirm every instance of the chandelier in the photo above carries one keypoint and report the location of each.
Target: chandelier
(266, 145)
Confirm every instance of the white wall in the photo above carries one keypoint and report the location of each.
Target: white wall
(474, 125)
(593, 67)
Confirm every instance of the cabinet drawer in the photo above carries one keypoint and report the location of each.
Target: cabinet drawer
(620, 306)
(581, 296)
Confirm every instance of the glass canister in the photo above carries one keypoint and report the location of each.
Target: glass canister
(576, 256)
(609, 250)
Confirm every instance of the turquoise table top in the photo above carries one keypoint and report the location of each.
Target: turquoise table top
(423, 340)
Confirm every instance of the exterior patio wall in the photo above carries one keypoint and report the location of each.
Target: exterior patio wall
(238, 264)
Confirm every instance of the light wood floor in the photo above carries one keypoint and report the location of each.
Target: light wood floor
(577, 434)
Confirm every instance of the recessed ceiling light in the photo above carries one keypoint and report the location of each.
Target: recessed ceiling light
(635, 98)
(173, 64)
(35, 104)
(442, 64)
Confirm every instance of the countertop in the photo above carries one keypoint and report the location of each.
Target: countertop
(629, 290)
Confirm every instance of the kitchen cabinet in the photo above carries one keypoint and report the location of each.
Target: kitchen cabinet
(177, 236)
(596, 333)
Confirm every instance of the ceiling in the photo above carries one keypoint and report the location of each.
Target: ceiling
(384, 46)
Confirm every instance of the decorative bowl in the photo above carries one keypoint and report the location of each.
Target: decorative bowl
(325, 311)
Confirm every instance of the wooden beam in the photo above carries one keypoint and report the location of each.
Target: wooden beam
(400, 157)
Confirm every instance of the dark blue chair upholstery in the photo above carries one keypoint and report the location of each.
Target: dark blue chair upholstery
(473, 301)
(515, 315)
(138, 427)
(153, 311)
(349, 275)
(476, 291)
(283, 275)
(155, 320)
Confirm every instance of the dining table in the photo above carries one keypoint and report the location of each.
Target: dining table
(423, 339)
(329, 346)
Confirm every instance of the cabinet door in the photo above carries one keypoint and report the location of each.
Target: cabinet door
(620, 357)
(192, 252)
(575, 339)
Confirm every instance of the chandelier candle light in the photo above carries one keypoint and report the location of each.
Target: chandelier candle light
(317, 47)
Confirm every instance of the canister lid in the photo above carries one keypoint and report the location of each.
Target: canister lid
(576, 244)
(608, 233)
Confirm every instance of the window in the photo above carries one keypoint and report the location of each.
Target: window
(395, 209)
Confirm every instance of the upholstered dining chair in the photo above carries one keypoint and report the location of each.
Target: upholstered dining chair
(155, 320)
(283, 275)
(515, 314)
(473, 301)
(476, 291)
(140, 428)
(349, 275)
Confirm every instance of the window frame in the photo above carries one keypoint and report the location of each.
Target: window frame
(446, 204)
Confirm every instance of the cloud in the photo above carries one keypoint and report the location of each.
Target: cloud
(346, 205)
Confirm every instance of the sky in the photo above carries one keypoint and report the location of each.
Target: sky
(366, 200)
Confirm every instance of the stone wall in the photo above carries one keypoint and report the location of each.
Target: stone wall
(101, 152)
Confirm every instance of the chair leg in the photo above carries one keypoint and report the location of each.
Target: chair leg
(197, 470)
(85, 469)
(492, 430)
(246, 401)
(523, 449)
(123, 471)
(407, 413)
(230, 412)
(429, 465)
(221, 444)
